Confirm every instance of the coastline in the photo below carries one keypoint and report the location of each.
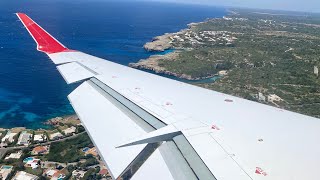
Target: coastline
(51, 124)
(159, 45)
(60, 127)
(152, 64)
(119, 41)
(163, 43)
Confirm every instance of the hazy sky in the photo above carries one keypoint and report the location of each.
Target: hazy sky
(292, 5)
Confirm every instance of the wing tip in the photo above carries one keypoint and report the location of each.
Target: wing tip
(45, 42)
(19, 14)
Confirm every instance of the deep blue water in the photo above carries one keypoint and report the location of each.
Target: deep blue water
(32, 90)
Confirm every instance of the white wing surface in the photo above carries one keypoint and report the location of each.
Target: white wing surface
(146, 126)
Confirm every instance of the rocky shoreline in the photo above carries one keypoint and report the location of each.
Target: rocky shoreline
(160, 44)
(152, 63)
(164, 42)
(148, 64)
(55, 121)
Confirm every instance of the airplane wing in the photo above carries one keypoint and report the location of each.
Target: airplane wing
(150, 127)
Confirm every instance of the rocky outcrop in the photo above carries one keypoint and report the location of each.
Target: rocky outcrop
(159, 43)
(152, 63)
(159, 70)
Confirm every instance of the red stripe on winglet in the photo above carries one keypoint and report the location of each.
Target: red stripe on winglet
(45, 42)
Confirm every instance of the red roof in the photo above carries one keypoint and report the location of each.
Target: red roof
(103, 171)
(39, 149)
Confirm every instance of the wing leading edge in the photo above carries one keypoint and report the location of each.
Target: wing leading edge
(138, 120)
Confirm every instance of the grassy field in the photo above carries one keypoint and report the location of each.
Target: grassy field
(69, 150)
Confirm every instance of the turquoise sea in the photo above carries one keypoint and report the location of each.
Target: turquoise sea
(32, 90)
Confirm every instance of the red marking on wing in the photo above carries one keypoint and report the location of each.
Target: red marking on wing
(215, 127)
(45, 42)
(260, 171)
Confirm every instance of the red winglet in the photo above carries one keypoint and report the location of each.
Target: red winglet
(45, 42)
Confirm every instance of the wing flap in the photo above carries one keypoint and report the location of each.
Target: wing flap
(74, 72)
(108, 126)
(155, 165)
(218, 161)
(61, 58)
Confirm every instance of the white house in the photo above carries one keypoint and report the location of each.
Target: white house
(8, 137)
(273, 98)
(316, 71)
(16, 155)
(38, 138)
(70, 130)
(56, 135)
(21, 175)
(24, 138)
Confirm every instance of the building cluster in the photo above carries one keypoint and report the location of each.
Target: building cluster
(267, 21)
(26, 137)
(6, 170)
(272, 98)
(26, 157)
(29, 162)
(234, 19)
(50, 170)
(203, 37)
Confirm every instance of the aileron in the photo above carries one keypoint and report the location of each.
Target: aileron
(74, 72)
